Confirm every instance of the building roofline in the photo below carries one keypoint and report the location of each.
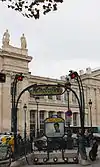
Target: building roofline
(46, 78)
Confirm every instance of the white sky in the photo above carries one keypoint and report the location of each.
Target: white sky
(62, 40)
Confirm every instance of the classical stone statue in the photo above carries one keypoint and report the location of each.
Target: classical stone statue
(6, 38)
(23, 42)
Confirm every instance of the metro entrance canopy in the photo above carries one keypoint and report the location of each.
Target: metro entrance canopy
(43, 90)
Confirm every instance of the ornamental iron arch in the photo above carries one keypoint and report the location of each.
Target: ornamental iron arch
(58, 89)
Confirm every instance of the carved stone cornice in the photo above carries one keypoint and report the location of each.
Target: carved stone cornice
(15, 54)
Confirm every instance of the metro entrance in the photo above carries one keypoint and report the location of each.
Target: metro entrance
(57, 89)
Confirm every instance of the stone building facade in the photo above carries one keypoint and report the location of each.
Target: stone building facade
(15, 60)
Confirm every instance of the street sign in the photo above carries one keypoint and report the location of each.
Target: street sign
(45, 90)
(54, 119)
(69, 113)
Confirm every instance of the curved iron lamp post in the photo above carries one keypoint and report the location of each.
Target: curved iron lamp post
(90, 106)
(68, 82)
(82, 149)
(25, 109)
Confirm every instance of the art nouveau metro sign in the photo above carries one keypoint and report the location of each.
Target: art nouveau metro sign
(45, 90)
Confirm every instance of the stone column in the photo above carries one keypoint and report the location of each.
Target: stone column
(38, 116)
(78, 119)
(6, 104)
(94, 106)
(19, 126)
(71, 120)
(46, 98)
(54, 99)
(1, 107)
(45, 114)
(88, 97)
(70, 98)
(24, 100)
(86, 119)
(35, 122)
(62, 97)
(97, 106)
